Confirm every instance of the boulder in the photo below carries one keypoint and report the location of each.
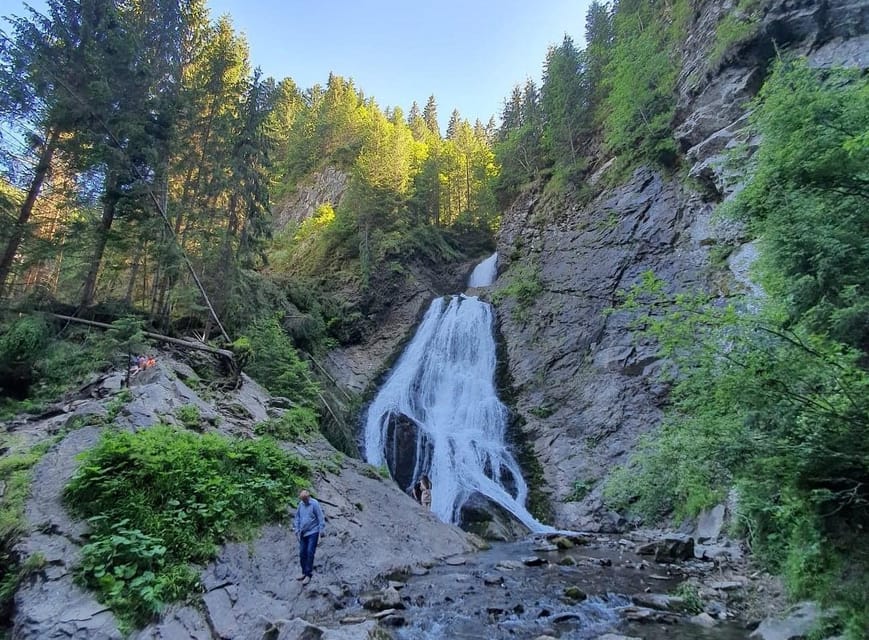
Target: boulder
(388, 598)
(670, 548)
(796, 623)
(709, 524)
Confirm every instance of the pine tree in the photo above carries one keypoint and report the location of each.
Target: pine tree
(430, 115)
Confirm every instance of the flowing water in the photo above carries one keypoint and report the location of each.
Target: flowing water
(438, 414)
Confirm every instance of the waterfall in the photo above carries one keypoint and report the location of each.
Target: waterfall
(439, 414)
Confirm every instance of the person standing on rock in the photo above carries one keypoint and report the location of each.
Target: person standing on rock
(308, 523)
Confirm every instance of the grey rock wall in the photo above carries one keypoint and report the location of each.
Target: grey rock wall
(323, 187)
(584, 384)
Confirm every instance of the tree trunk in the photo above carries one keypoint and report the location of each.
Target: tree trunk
(14, 242)
(109, 203)
(134, 272)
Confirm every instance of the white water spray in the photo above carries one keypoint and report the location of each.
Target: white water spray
(440, 402)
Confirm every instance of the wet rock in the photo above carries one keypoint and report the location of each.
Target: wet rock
(727, 585)
(563, 542)
(545, 548)
(533, 561)
(353, 619)
(419, 571)
(395, 584)
(388, 598)
(703, 620)
(492, 579)
(575, 593)
(659, 601)
(509, 565)
(178, 622)
(797, 623)
(455, 562)
(718, 553)
(567, 561)
(615, 636)
(671, 548)
(640, 614)
(394, 620)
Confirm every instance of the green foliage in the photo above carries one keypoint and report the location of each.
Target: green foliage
(735, 28)
(162, 498)
(275, 362)
(523, 285)
(23, 341)
(189, 416)
(543, 411)
(296, 424)
(641, 77)
(809, 197)
(581, 488)
(777, 413)
(43, 364)
(690, 594)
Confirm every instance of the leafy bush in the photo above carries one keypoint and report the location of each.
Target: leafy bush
(189, 416)
(640, 101)
(297, 423)
(779, 413)
(736, 27)
(162, 498)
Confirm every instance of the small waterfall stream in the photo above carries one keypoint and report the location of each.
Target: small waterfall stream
(439, 414)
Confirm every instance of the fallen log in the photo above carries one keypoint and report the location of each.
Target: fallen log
(188, 344)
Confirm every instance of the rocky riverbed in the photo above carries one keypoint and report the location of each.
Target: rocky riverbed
(565, 586)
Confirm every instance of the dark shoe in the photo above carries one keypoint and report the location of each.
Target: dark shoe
(306, 580)
(301, 577)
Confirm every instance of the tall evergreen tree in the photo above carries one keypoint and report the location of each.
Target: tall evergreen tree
(430, 115)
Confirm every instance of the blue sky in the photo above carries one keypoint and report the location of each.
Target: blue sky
(468, 54)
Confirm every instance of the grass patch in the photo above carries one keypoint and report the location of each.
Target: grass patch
(581, 488)
(163, 498)
(736, 27)
(296, 423)
(523, 285)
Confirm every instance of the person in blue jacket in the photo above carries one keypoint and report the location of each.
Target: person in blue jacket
(308, 523)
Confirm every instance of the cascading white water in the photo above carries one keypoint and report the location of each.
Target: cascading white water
(440, 400)
(484, 273)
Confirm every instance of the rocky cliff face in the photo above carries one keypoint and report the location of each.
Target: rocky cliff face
(585, 386)
(323, 187)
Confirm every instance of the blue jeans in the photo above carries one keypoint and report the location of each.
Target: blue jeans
(307, 548)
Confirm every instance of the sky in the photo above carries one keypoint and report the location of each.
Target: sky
(468, 53)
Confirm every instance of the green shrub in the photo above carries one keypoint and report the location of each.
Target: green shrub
(297, 423)
(24, 341)
(189, 416)
(523, 285)
(162, 498)
(581, 488)
(736, 27)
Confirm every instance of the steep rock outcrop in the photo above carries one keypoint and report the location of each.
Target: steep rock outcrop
(327, 186)
(570, 360)
(372, 529)
(583, 383)
(399, 302)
